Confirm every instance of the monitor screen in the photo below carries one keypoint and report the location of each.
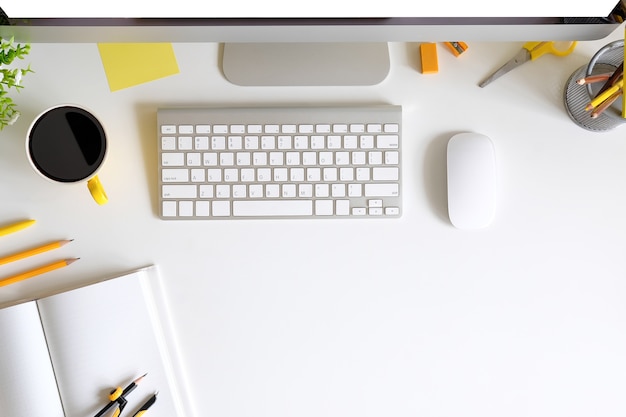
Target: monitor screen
(393, 29)
(358, 42)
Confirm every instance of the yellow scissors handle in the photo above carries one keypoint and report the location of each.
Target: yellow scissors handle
(538, 49)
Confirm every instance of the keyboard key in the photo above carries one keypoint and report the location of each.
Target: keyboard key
(175, 175)
(170, 208)
(168, 143)
(385, 174)
(273, 208)
(357, 128)
(185, 143)
(203, 208)
(201, 143)
(324, 207)
(168, 129)
(392, 158)
(185, 208)
(173, 159)
(234, 142)
(367, 142)
(221, 208)
(381, 190)
(391, 128)
(374, 128)
(180, 191)
(387, 141)
(342, 207)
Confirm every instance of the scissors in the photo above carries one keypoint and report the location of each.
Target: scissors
(530, 52)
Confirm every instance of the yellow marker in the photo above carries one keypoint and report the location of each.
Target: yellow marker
(33, 251)
(624, 95)
(36, 271)
(16, 227)
(428, 53)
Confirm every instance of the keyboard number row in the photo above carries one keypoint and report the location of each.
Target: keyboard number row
(171, 143)
(177, 159)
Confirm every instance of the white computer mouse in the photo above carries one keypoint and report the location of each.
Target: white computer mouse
(471, 180)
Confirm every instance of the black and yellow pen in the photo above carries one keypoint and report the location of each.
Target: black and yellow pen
(142, 410)
(117, 396)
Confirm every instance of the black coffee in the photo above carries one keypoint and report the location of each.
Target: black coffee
(67, 144)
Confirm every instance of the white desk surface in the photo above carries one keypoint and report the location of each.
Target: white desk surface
(407, 317)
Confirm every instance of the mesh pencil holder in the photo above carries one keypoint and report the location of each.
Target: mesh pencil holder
(577, 97)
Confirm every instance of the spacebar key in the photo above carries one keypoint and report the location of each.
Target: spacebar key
(273, 208)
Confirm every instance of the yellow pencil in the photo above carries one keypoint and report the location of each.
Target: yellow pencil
(33, 251)
(606, 94)
(36, 271)
(15, 227)
(605, 104)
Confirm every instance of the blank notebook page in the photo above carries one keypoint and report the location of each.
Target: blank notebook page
(105, 335)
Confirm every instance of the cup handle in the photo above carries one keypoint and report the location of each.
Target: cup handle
(97, 190)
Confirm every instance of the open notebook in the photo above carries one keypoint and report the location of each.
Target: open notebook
(60, 356)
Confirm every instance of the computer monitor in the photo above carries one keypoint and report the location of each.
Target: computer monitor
(297, 51)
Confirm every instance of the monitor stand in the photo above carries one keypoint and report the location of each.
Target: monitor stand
(305, 64)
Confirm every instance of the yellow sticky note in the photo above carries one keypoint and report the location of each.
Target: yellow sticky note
(130, 64)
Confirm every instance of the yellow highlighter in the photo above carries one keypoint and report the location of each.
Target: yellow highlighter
(15, 227)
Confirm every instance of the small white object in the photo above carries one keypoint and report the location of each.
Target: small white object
(471, 180)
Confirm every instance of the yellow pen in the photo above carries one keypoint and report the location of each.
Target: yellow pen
(33, 251)
(16, 227)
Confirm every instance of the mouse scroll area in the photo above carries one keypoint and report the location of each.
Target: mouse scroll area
(471, 180)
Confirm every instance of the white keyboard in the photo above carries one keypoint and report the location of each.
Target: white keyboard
(234, 163)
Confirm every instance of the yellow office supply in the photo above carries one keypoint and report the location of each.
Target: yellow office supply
(529, 52)
(605, 95)
(428, 53)
(624, 95)
(130, 64)
(457, 48)
(33, 251)
(144, 408)
(597, 111)
(37, 271)
(12, 228)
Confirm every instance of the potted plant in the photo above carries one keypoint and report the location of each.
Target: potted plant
(10, 78)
